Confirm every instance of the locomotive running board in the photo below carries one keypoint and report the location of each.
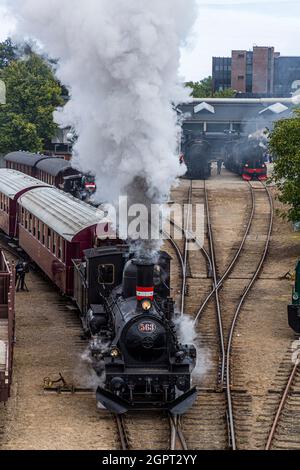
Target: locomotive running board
(120, 406)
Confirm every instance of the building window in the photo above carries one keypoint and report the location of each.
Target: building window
(241, 77)
(241, 56)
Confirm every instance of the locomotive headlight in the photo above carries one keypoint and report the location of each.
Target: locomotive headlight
(115, 353)
(146, 305)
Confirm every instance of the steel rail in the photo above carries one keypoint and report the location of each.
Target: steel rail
(186, 249)
(195, 240)
(282, 405)
(122, 432)
(236, 317)
(233, 262)
(215, 283)
(177, 436)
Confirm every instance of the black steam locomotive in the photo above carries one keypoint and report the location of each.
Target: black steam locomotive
(129, 315)
(246, 157)
(196, 154)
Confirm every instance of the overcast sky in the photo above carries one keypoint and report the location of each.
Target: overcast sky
(223, 25)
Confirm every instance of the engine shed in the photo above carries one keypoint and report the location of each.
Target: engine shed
(217, 119)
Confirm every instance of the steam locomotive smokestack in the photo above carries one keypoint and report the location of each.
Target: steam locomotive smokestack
(145, 282)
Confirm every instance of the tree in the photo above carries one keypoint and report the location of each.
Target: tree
(8, 53)
(227, 93)
(15, 129)
(204, 89)
(285, 146)
(32, 95)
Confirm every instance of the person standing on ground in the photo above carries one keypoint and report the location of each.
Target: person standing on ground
(220, 165)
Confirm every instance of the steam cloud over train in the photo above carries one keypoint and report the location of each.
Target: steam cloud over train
(124, 302)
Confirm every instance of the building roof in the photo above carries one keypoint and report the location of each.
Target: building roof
(54, 166)
(61, 212)
(235, 110)
(13, 183)
(25, 158)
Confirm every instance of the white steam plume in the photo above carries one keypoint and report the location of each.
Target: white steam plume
(120, 59)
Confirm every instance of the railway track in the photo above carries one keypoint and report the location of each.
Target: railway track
(284, 432)
(215, 407)
(225, 430)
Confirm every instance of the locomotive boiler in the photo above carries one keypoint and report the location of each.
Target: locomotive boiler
(196, 154)
(129, 315)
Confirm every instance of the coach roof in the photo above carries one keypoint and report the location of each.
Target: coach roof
(25, 158)
(61, 212)
(13, 183)
(54, 166)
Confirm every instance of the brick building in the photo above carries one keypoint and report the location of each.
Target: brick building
(260, 72)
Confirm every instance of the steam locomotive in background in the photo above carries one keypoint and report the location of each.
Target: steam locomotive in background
(196, 154)
(246, 157)
(128, 314)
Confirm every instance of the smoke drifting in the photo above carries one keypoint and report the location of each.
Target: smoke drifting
(188, 335)
(120, 59)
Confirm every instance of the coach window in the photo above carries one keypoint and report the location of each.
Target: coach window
(49, 239)
(59, 244)
(34, 222)
(30, 223)
(26, 219)
(39, 230)
(22, 216)
(63, 248)
(54, 240)
(1, 201)
(43, 232)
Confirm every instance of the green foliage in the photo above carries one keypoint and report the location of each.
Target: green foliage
(32, 95)
(204, 89)
(228, 93)
(8, 53)
(15, 129)
(285, 145)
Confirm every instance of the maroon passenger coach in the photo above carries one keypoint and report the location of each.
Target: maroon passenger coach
(12, 185)
(49, 169)
(7, 326)
(54, 229)
(25, 162)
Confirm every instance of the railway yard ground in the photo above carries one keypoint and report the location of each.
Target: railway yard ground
(49, 342)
